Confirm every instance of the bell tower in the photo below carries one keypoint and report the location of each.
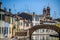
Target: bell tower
(44, 11)
(48, 11)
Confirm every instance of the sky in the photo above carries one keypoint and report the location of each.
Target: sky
(33, 6)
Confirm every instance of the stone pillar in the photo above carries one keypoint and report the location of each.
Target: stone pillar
(30, 37)
(27, 34)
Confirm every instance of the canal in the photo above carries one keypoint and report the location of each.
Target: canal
(44, 34)
(43, 37)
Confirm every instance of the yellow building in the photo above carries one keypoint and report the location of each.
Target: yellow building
(12, 26)
(58, 24)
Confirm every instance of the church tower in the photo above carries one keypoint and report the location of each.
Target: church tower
(48, 11)
(44, 11)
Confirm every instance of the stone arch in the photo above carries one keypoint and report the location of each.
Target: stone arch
(44, 26)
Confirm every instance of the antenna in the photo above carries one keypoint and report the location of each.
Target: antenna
(59, 15)
(14, 7)
(55, 14)
(27, 8)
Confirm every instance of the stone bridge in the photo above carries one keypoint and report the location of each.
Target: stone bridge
(42, 26)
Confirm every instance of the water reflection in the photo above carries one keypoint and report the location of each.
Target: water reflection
(43, 37)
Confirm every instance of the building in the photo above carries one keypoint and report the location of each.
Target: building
(26, 16)
(7, 23)
(23, 25)
(35, 19)
(4, 26)
(26, 20)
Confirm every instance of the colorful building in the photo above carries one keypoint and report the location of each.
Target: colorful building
(4, 26)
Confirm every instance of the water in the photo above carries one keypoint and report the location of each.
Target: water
(43, 37)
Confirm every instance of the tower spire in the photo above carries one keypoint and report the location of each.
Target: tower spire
(48, 10)
(48, 4)
(44, 10)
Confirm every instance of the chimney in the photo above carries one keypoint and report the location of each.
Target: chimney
(9, 10)
(0, 5)
(33, 13)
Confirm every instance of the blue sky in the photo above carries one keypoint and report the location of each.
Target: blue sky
(33, 6)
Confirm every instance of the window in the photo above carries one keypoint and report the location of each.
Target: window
(18, 23)
(27, 24)
(46, 30)
(12, 20)
(9, 19)
(41, 30)
(21, 23)
(3, 17)
(0, 16)
(5, 30)
(37, 30)
(0, 30)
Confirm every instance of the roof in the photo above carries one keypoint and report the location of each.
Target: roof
(27, 13)
(58, 19)
(2, 10)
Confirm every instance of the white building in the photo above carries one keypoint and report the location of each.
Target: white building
(4, 26)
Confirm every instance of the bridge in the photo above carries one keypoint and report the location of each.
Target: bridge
(44, 26)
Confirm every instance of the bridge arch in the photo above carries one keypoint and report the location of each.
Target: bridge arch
(43, 26)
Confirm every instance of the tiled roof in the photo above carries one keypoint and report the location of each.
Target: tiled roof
(2, 10)
(27, 13)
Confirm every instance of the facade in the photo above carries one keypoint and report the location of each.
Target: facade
(4, 26)
(27, 20)
(27, 24)
(23, 26)
(24, 23)
(35, 19)
(6, 23)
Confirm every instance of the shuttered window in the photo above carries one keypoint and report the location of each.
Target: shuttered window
(3, 17)
(0, 16)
